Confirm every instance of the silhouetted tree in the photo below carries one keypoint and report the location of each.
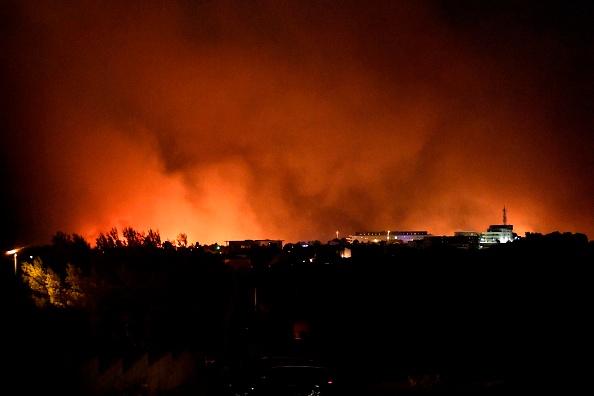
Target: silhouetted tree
(114, 238)
(80, 242)
(182, 240)
(61, 240)
(68, 248)
(101, 242)
(132, 237)
(152, 239)
(108, 241)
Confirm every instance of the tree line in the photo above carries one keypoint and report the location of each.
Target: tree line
(134, 238)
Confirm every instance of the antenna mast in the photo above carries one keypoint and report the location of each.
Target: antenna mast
(504, 216)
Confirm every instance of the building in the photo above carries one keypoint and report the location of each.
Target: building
(498, 233)
(237, 246)
(387, 236)
(461, 240)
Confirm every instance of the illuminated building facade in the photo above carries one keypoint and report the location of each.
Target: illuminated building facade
(387, 236)
(235, 246)
(498, 233)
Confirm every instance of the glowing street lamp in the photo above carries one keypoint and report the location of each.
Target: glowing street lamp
(14, 253)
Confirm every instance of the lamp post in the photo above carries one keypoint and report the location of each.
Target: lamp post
(14, 253)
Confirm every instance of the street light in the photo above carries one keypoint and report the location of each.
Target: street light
(14, 253)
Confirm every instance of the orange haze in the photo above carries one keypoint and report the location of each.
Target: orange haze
(294, 120)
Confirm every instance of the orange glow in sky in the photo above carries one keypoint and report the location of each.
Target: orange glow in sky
(241, 120)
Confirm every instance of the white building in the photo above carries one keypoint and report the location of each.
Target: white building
(497, 233)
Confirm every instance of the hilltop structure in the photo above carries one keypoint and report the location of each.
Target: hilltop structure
(498, 233)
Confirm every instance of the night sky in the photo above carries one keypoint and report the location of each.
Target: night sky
(295, 119)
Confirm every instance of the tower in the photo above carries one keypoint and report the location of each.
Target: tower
(504, 216)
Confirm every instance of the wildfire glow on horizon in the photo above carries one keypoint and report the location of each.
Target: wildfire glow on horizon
(296, 121)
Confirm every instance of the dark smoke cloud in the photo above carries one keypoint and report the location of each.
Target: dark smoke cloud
(294, 120)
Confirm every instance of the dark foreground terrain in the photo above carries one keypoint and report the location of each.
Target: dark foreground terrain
(515, 319)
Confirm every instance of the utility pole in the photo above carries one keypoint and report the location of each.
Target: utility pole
(14, 253)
